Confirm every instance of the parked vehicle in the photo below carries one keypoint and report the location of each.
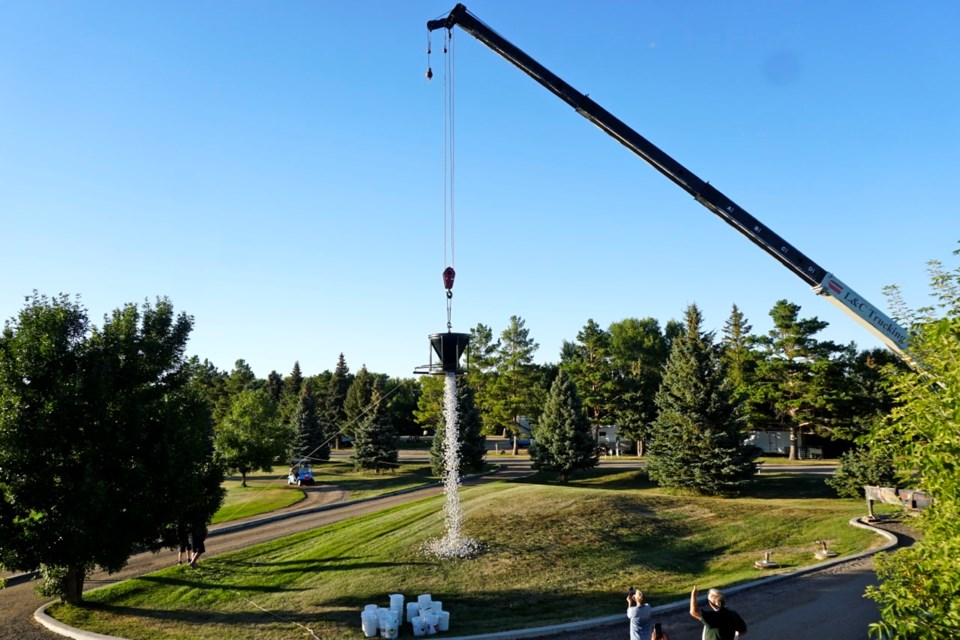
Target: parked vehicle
(300, 474)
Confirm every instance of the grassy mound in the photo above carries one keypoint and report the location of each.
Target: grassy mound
(268, 491)
(552, 554)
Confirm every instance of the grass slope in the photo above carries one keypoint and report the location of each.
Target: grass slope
(552, 554)
(268, 491)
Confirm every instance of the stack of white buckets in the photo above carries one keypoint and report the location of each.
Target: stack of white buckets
(426, 616)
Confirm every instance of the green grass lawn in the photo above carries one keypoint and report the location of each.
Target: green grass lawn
(808, 463)
(257, 498)
(268, 491)
(552, 554)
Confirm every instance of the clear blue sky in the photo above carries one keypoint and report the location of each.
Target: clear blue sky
(276, 168)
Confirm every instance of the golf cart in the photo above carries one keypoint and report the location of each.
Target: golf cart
(300, 473)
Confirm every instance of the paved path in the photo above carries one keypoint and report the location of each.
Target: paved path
(825, 605)
(17, 603)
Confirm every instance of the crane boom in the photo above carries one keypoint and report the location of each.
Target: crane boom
(823, 282)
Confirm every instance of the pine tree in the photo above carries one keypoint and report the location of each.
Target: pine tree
(334, 415)
(482, 373)
(375, 445)
(592, 371)
(311, 441)
(698, 440)
(357, 401)
(292, 385)
(801, 382)
(469, 433)
(563, 441)
(514, 389)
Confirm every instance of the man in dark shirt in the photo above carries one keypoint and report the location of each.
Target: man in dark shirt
(719, 623)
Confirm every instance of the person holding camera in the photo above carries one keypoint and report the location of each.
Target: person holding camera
(639, 614)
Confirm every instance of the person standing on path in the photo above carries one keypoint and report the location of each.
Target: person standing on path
(719, 623)
(639, 614)
(197, 537)
(183, 541)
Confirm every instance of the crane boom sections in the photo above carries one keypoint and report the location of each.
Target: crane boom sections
(823, 282)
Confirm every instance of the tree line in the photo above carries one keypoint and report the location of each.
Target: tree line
(111, 438)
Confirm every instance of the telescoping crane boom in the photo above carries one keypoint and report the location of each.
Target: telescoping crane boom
(823, 282)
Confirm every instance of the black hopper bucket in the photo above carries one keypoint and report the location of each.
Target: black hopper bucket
(447, 347)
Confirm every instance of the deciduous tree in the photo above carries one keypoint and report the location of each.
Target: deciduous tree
(251, 436)
(105, 442)
(638, 351)
(918, 588)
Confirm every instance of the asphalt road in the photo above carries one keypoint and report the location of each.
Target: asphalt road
(825, 605)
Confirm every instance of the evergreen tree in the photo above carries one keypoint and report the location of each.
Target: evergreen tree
(311, 441)
(469, 434)
(738, 357)
(514, 391)
(335, 416)
(275, 387)
(698, 438)
(375, 444)
(292, 385)
(801, 382)
(358, 401)
(592, 372)
(563, 442)
(482, 373)
(402, 403)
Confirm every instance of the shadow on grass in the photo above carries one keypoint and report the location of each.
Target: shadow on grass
(785, 486)
(615, 479)
(240, 619)
(384, 483)
(201, 583)
(317, 565)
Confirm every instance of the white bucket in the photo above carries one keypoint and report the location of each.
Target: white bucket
(430, 621)
(424, 601)
(413, 609)
(419, 628)
(369, 623)
(371, 607)
(437, 606)
(444, 621)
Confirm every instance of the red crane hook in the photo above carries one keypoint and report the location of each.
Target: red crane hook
(448, 275)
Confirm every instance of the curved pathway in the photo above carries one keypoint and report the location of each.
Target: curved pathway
(17, 603)
(825, 604)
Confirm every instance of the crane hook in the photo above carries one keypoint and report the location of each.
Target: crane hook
(448, 275)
